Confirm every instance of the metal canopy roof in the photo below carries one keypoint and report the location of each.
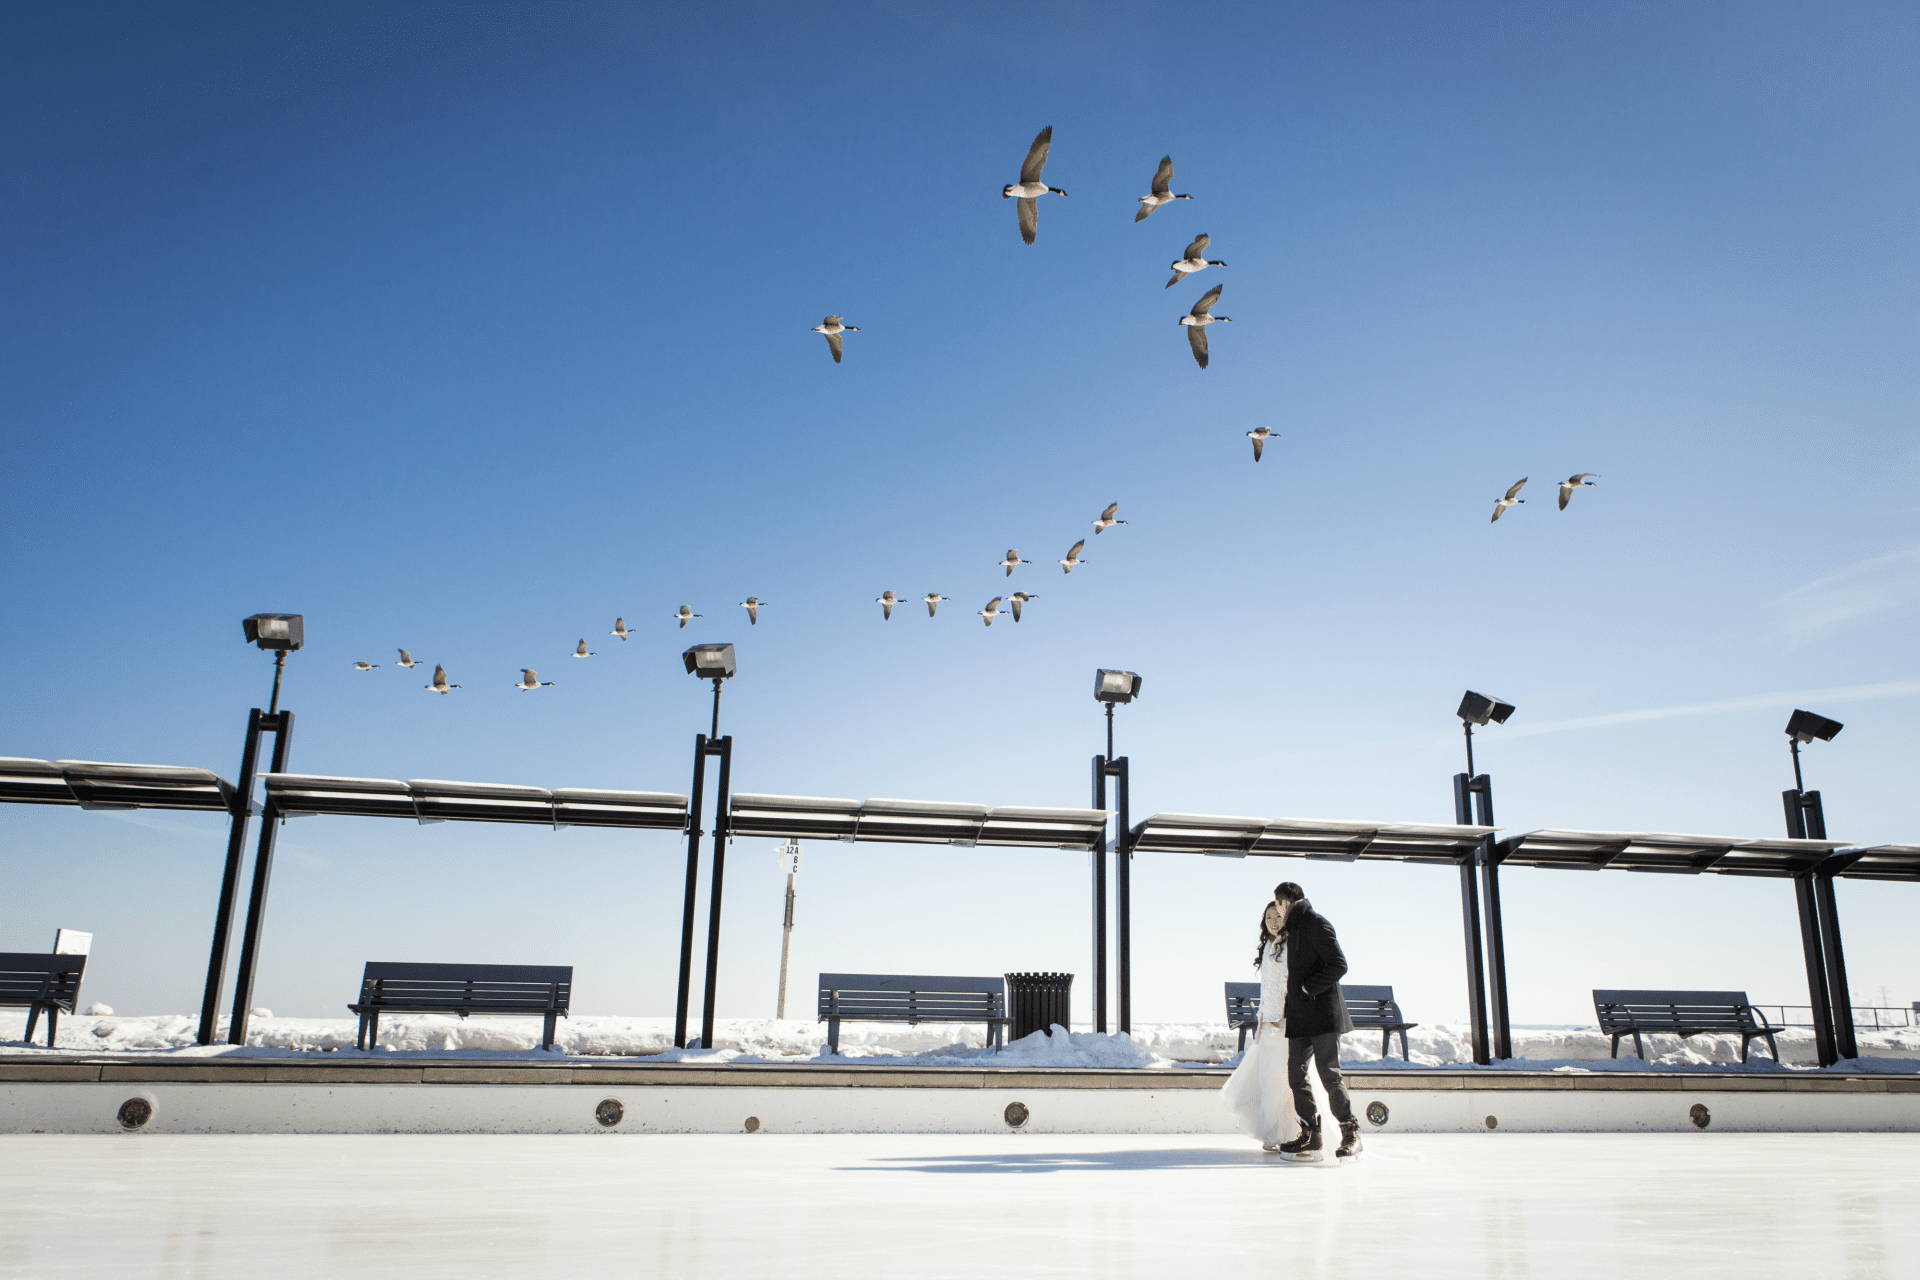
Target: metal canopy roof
(1879, 862)
(1659, 851)
(431, 800)
(1303, 838)
(916, 822)
(94, 785)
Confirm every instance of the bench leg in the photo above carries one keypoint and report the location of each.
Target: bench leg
(1744, 1042)
(1639, 1050)
(33, 1019)
(373, 1031)
(833, 1035)
(53, 1025)
(1614, 1050)
(1386, 1043)
(547, 1042)
(1403, 1048)
(1772, 1046)
(1242, 1048)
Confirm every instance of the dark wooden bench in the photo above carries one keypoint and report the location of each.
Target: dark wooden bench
(534, 990)
(1683, 1014)
(880, 997)
(40, 984)
(1370, 1008)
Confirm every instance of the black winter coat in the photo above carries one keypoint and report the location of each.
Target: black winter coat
(1315, 965)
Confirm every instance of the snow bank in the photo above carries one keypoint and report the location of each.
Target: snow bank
(930, 1044)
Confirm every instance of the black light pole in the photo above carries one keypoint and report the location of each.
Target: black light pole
(1113, 688)
(713, 662)
(257, 898)
(1473, 806)
(279, 634)
(1819, 911)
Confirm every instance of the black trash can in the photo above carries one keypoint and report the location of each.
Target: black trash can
(1038, 1001)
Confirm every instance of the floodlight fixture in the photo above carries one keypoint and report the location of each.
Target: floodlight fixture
(1478, 708)
(711, 662)
(1115, 686)
(278, 634)
(275, 630)
(1803, 727)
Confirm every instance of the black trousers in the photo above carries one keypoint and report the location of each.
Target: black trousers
(1325, 1051)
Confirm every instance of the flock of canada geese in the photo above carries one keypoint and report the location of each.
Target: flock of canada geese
(1025, 194)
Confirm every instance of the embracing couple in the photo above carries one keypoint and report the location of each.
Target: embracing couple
(1302, 1018)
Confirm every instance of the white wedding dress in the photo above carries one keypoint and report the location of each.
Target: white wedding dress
(1257, 1092)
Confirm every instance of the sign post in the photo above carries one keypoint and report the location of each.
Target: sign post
(790, 862)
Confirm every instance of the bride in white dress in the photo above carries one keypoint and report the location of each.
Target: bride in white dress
(1257, 1092)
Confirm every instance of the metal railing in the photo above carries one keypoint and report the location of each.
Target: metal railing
(1866, 1017)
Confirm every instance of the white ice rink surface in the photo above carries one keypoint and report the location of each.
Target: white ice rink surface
(1437, 1206)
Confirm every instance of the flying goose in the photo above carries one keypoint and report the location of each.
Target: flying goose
(583, 652)
(440, 684)
(686, 614)
(932, 600)
(832, 328)
(1031, 186)
(406, 660)
(530, 679)
(1162, 192)
(1500, 507)
(1582, 481)
(620, 628)
(992, 611)
(1019, 598)
(1260, 436)
(753, 605)
(1197, 320)
(886, 600)
(1194, 259)
(1013, 558)
(1073, 560)
(364, 665)
(1106, 520)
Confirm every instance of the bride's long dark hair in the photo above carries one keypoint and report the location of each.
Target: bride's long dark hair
(1266, 936)
(1288, 891)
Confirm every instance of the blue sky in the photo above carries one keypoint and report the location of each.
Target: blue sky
(470, 327)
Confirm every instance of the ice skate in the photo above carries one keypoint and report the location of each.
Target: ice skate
(1305, 1147)
(1350, 1144)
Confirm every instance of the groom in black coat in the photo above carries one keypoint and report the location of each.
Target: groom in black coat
(1316, 1019)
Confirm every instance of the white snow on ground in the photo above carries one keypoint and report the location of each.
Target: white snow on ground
(932, 1044)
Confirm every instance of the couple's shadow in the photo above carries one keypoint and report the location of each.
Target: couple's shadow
(1149, 1161)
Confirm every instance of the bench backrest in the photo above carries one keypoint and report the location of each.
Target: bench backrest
(1369, 1007)
(28, 977)
(897, 995)
(498, 987)
(1243, 1004)
(1676, 1010)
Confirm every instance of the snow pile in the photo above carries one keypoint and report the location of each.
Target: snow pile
(929, 1044)
(1056, 1047)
